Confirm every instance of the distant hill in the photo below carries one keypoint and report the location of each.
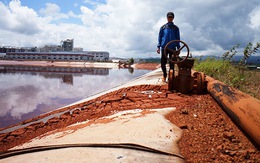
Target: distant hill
(253, 60)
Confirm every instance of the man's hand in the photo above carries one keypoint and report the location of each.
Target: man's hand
(158, 50)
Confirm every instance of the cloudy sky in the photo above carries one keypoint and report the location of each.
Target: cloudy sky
(129, 28)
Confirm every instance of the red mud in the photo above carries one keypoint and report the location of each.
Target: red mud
(208, 133)
(147, 66)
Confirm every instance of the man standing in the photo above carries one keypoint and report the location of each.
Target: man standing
(167, 33)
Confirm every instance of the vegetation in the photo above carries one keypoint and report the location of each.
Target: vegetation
(131, 61)
(234, 74)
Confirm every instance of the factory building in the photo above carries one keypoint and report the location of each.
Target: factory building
(99, 55)
(67, 45)
(62, 56)
(63, 52)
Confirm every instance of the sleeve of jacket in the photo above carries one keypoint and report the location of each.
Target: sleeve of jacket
(160, 37)
(178, 36)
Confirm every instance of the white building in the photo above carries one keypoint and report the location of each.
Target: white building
(64, 56)
(99, 55)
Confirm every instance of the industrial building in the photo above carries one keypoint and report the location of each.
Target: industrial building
(63, 52)
(47, 56)
(67, 45)
(99, 55)
(59, 56)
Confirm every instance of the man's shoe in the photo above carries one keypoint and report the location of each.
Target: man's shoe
(163, 79)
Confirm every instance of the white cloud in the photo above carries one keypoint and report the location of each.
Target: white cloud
(255, 22)
(87, 16)
(255, 18)
(18, 19)
(93, 2)
(52, 11)
(130, 28)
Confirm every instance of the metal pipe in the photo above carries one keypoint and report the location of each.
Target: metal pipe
(241, 107)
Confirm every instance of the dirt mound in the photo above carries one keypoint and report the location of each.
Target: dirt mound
(147, 66)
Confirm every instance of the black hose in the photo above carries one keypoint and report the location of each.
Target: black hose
(11, 153)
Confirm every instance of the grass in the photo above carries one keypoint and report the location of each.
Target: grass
(239, 77)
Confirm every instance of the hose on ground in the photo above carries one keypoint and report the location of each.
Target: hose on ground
(132, 146)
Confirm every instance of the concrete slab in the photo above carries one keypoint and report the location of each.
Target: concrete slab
(148, 128)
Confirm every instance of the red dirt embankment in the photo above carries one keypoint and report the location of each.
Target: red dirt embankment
(147, 66)
(208, 133)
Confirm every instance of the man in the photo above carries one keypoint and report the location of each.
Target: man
(167, 33)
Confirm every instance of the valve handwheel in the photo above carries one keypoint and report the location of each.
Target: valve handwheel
(176, 53)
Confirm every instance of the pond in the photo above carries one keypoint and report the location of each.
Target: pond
(28, 91)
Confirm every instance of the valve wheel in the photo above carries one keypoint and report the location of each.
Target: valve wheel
(176, 53)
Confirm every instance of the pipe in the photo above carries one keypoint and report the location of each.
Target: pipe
(241, 107)
(133, 146)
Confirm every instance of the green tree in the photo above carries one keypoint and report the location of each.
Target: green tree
(248, 51)
(229, 54)
(131, 61)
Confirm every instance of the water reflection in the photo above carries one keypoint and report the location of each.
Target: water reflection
(27, 91)
(64, 73)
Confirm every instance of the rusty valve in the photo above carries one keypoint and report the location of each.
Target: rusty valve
(183, 81)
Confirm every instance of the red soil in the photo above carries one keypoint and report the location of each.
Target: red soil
(208, 133)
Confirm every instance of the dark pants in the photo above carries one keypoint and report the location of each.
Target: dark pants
(164, 62)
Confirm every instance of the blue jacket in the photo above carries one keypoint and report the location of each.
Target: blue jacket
(167, 33)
